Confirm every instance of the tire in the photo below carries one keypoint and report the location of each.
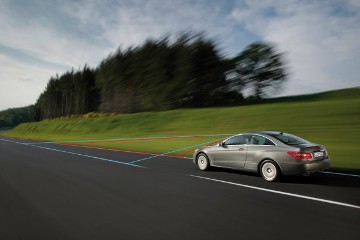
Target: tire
(269, 170)
(202, 162)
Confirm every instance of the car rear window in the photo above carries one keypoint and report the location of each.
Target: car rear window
(289, 139)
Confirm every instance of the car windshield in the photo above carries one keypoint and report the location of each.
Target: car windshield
(289, 139)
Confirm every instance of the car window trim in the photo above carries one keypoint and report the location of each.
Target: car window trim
(262, 144)
(242, 134)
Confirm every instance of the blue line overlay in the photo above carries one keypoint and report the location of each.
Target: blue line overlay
(177, 150)
(78, 154)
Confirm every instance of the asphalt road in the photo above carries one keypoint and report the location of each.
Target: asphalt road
(51, 191)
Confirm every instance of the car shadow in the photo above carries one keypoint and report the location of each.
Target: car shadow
(233, 171)
(325, 179)
(319, 178)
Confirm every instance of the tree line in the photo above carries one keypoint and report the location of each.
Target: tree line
(164, 74)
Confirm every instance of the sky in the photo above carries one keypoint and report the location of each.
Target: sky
(41, 38)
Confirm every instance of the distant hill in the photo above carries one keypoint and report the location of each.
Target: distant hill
(347, 93)
(14, 116)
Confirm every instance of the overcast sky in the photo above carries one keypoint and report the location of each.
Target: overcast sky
(40, 38)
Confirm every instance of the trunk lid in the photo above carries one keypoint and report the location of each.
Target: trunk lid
(317, 151)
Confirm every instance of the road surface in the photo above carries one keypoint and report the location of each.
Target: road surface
(53, 191)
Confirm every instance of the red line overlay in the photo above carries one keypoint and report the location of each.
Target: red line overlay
(118, 150)
(142, 139)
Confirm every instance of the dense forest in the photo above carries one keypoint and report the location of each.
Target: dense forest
(163, 74)
(14, 116)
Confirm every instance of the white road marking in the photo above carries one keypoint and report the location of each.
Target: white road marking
(280, 192)
(342, 174)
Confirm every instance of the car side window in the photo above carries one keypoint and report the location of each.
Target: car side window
(259, 140)
(238, 140)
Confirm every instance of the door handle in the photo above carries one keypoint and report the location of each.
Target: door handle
(241, 149)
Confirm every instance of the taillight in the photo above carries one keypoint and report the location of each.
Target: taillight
(300, 155)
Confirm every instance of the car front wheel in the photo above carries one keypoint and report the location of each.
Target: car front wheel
(202, 162)
(269, 170)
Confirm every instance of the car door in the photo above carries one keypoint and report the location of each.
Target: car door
(258, 149)
(232, 152)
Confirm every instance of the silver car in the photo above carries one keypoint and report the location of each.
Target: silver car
(269, 153)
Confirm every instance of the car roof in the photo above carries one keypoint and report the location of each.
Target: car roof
(263, 132)
(269, 132)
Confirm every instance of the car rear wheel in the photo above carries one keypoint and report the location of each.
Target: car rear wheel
(202, 162)
(269, 170)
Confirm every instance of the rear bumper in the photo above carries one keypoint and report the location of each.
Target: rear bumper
(307, 167)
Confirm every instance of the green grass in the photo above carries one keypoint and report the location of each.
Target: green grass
(332, 119)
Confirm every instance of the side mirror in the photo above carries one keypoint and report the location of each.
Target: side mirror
(222, 144)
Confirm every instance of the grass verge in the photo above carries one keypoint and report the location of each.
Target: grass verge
(332, 119)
